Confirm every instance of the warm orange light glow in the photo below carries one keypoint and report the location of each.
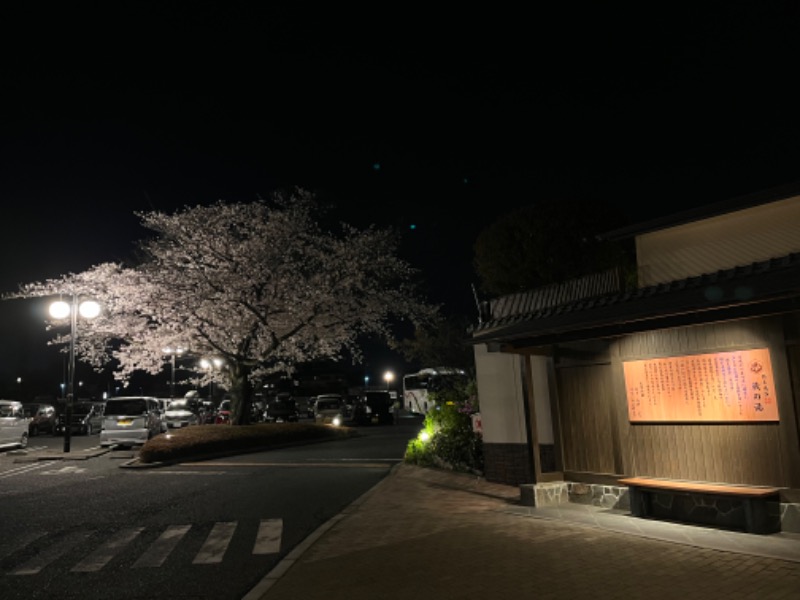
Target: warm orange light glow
(723, 386)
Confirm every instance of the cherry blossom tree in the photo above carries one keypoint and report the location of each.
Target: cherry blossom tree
(262, 286)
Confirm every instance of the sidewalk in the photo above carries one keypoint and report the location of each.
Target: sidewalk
(424, 533)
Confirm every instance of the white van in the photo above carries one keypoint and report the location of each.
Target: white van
(130, 420)
(13, 424)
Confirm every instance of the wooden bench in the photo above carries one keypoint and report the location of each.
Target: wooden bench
(755, 499)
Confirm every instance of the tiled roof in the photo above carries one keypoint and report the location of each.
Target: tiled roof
(765, 287)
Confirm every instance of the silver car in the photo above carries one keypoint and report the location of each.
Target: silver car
(329, 409)
(182, 413)
(13, 424)
(130, 420)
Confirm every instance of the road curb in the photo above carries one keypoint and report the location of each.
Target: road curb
(262, 587)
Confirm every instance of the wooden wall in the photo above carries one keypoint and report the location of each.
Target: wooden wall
(597, 437)
(586, 394)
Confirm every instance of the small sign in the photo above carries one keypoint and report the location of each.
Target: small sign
(477, 425)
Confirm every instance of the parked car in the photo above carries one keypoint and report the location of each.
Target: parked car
(87, 418)
(131, 420)
(207, 413)
(310, 407)
(373, 407)
(42, 418)
(223, 414)
(329, 409)
(257, 410)
(182, 413)
(282, 409)
(13, 425)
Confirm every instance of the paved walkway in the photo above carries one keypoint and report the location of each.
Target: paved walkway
(424, 533)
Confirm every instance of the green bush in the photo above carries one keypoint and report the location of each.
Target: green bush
(451, 443)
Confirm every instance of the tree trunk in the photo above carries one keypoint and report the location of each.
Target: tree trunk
(241, 394)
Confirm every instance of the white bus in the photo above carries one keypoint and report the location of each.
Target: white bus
(417, 386)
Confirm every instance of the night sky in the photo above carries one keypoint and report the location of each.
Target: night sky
(395, 115)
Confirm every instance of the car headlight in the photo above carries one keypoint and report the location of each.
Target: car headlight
(337, 420)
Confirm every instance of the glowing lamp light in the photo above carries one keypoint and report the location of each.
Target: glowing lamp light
(424, 436)
(89, 309)
(59, 309)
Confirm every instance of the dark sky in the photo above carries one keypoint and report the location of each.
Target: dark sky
(394, 114)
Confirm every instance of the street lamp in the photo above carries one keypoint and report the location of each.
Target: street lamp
(211, 365)
(173, 352)
(59, 310)
(388, 377)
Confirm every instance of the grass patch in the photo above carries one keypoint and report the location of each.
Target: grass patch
(211, 439)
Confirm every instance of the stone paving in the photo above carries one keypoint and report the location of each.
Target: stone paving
(423, 533)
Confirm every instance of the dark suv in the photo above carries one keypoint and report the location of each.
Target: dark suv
(373, 407)
(87, 418)
(282, 409)
(42, 418)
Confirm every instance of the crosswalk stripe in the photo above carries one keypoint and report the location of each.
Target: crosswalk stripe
(27, 538)
(215, 545)
(100, 557)
(268, 538)
(267, 541)
(51, 553)
(162, 547)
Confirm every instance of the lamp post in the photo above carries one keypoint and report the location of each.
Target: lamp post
(172, 353)
(61, 309)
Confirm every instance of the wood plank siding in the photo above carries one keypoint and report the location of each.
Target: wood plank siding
(584, 411)
(594, 418)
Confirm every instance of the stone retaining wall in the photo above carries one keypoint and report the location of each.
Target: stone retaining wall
(710, 510)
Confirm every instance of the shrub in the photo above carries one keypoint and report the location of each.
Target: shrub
(451, 443)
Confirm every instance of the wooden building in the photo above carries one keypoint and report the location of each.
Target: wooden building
(694, 375)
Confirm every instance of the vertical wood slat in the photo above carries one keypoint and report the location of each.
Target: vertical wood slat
(740, 453)
(584, 394)
(746, 453)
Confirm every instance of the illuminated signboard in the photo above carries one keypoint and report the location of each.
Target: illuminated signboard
(723, 386)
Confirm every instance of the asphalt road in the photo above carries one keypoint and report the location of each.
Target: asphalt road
(94, 528)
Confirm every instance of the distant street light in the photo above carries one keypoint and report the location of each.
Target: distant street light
(211, 365)
(388, 377)
(173, 352)
(59, 310)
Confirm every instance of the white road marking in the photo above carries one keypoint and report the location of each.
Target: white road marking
(268, 539)
(51, 553)
(26, 469)
(159, 550)
(100, 557)
(215, 545)
(29, 537)
(65, 471)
